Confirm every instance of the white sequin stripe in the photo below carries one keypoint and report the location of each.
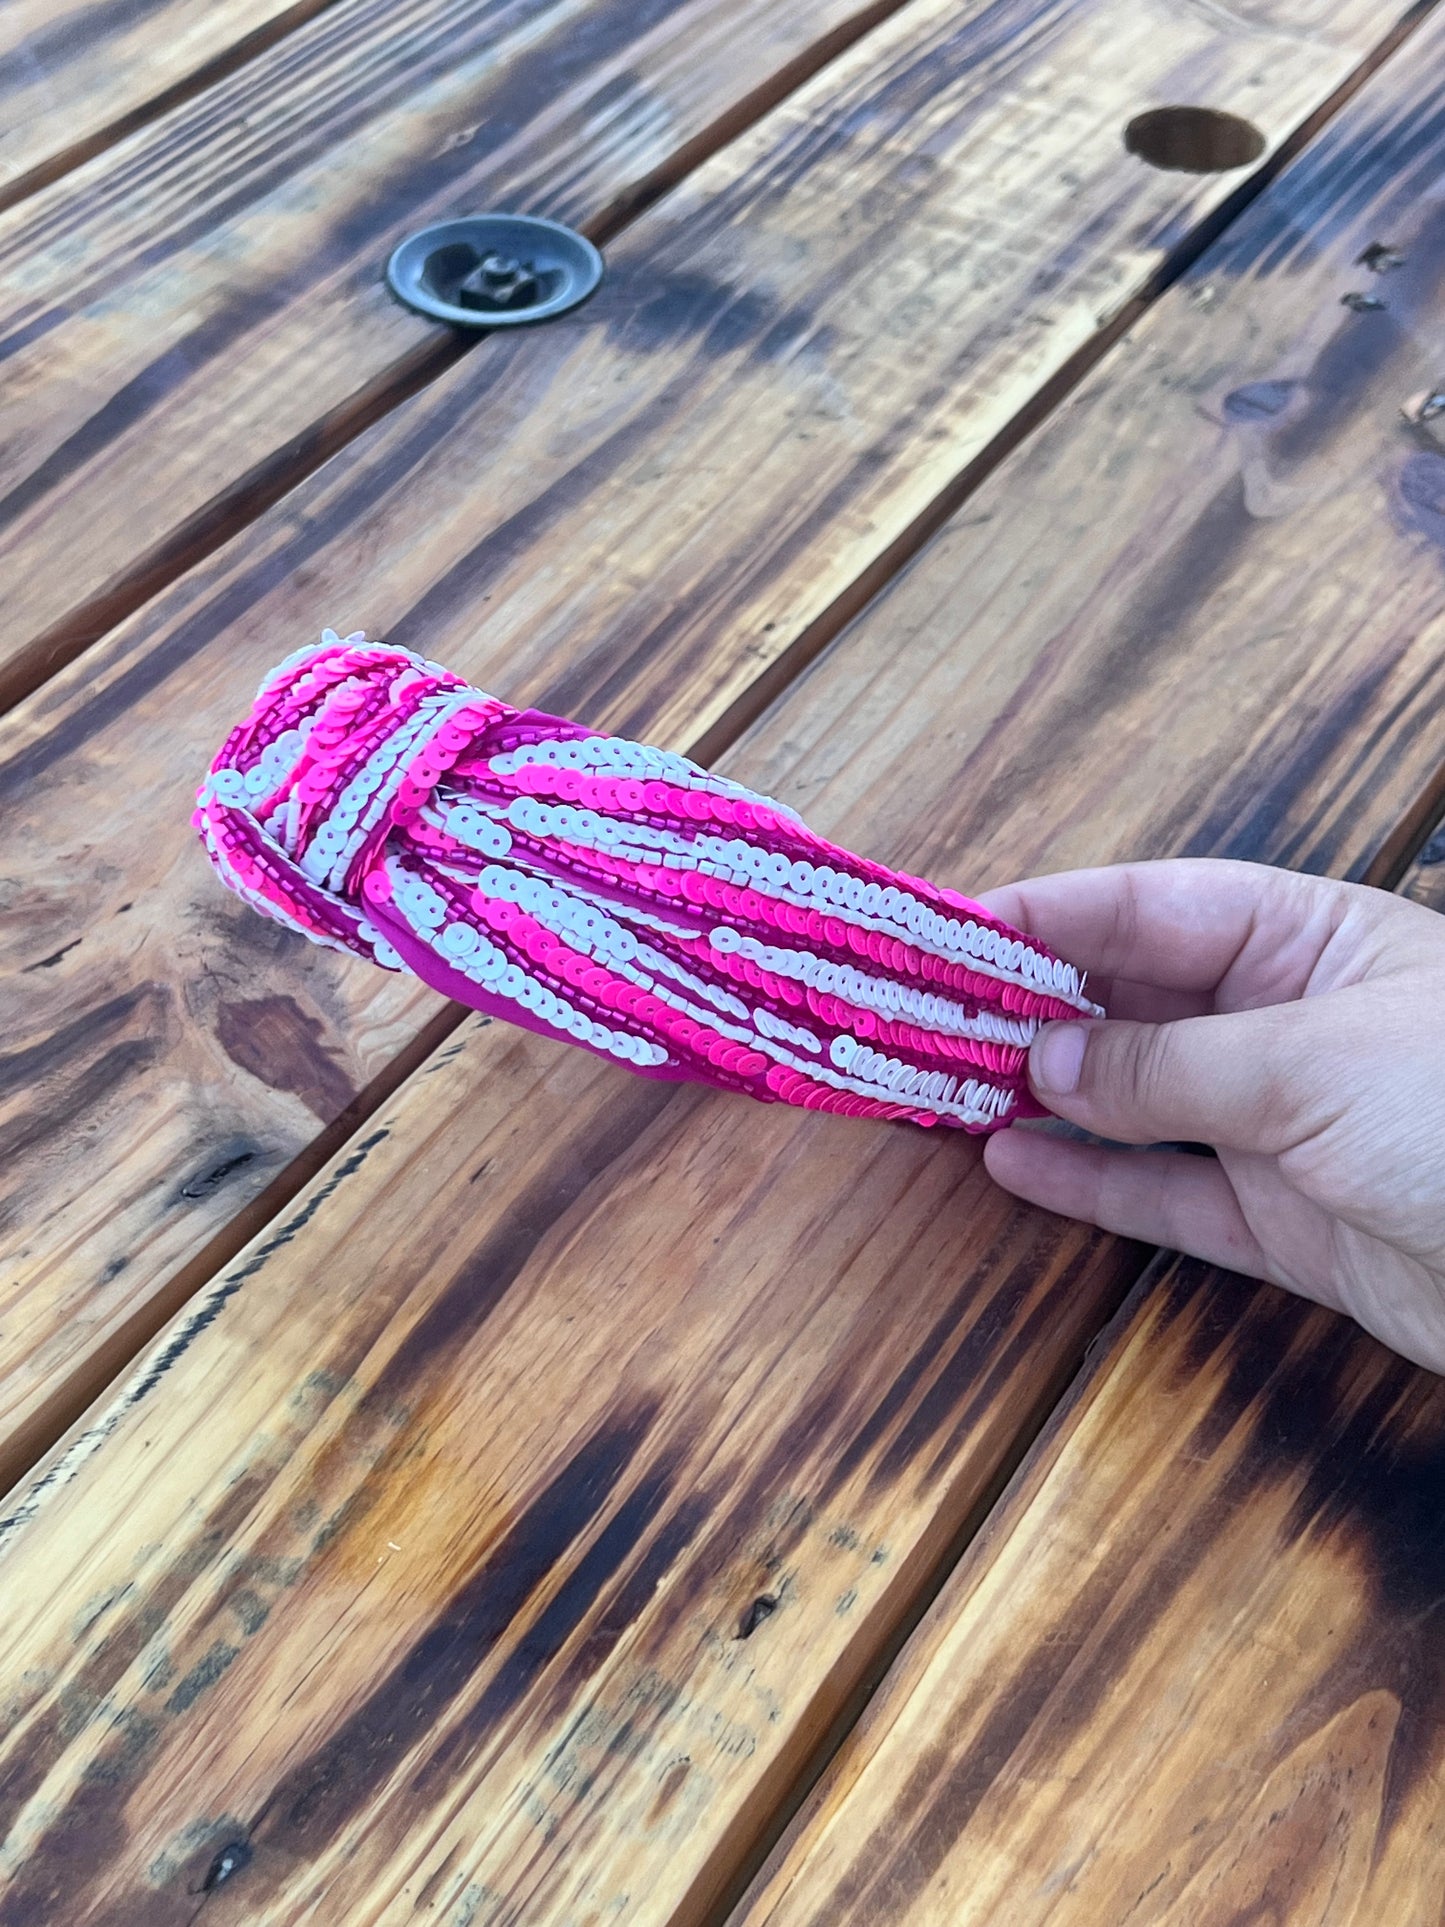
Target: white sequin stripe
(974, 1101)
(284, 672)
(264, 904)
(616, 756)
(591, 932)
(970, 1100)
(884, 995)
(887, 997)
(785, 1032)
(907, 919)
(477, 826)
(817, 887)
(364, 801)
(661, 964)
(244, 788)
(893, 1074)
(467, 950)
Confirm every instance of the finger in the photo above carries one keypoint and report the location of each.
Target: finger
(1160, 1197)
(1179, 925)
(1147, 1003)
(1230, 1080)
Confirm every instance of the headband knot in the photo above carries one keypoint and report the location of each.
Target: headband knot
(346, 742)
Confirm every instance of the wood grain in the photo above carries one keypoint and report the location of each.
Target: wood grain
(497, 1535)
(1201, 611)
(444, 1508)
(629, 516)
(1189, 1674)
(1424, 880)
(198, 317)
(76, 75)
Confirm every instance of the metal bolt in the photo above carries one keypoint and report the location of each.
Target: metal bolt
(494, 270)
(497, 281)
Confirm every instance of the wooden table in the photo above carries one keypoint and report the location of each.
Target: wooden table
(452, 1480)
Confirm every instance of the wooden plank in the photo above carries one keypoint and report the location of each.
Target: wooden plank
(438, 1519)
(1191, 1670)
(1424, 881)
(1225, 1549)
(411, 1568)
(198, 318)
(792, 356)
(76, 75)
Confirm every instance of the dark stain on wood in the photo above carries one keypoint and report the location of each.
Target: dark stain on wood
(673, 1782)
(72, 1072)
(218, 1168)
(275, 1040)
(89, 1831)
(762, 1608)
(572, 1604)
(1259, 401)
(82, 1097)
(461, 1306)
(23, 1069)
(1361, 1433)
(689, 1512)
(55, 957)
(1367, 1431)
(323, 1791)
(232, 1859)
(83, 1841)
(1253, 821)
(181, 362)
(66, 40)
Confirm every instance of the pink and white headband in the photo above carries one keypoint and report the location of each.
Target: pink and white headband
(618, 897)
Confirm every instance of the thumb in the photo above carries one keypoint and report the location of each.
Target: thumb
(1222, 1080)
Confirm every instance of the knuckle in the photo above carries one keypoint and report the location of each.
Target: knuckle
(1137, 1075)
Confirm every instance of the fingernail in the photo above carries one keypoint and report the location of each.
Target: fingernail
(1057, 1058)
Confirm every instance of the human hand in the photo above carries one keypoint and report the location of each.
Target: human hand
(1296, 1025)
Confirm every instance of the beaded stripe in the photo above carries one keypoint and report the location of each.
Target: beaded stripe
(618, 896)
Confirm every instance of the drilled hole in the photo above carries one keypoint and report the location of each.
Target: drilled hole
(1193, 140)
(228, 1862)
(762, 1608)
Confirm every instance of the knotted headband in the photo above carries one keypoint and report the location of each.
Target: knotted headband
(620, 897)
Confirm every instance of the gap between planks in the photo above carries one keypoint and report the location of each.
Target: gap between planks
(1400, 858)
(261, 487)
(66, 159)
(250, 496)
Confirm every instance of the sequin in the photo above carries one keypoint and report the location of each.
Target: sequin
(371, 796)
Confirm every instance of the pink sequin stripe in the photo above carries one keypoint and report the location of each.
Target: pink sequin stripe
(748, 907)
(617, 896)
(659, 801)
